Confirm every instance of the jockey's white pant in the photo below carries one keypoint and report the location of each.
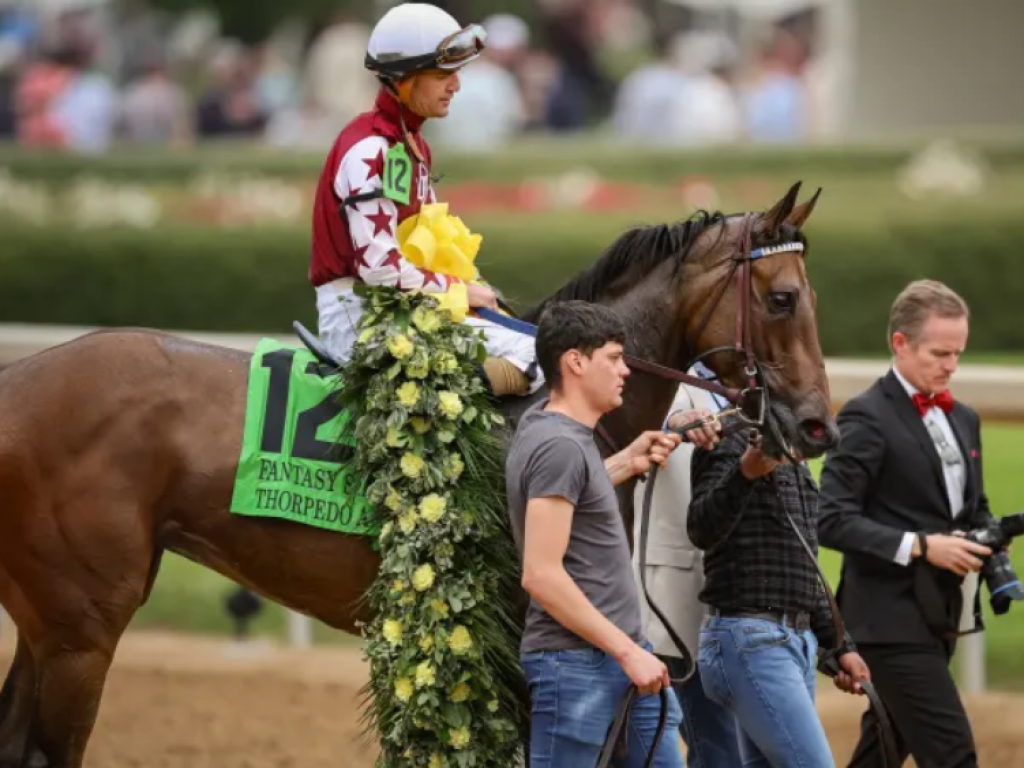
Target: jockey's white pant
(339, 311)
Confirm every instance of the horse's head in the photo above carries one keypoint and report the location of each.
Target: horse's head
(749, 313)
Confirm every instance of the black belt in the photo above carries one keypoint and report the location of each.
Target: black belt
(798, 620)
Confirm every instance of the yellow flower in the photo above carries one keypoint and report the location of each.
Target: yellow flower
(385, 530)
(407, 522)
(460, 693)
(432, 507)
(492, 705)
(440, 607)
(419, 371)
(398, 586)
(403, 689)
(365, 336)
(423, 578)
(412, 465)
(424, 674)
(419, 424)
(393, 631)
(435, 761)
(459, 737)
(451, 404)
(460, 641)
(445, 362)
(453, 466)
(408, 394)
(394, 438)
(408, 599)
(427, 320)
(393, 500)
(426, 643)
(400, 346)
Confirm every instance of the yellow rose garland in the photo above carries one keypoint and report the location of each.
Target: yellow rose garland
(442, 644)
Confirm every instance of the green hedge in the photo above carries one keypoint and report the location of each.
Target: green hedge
(255, 280)
(520, 161)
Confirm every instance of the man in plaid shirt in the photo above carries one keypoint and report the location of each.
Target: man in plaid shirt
(768, 616)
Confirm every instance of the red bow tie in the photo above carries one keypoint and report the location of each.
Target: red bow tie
(943, 400)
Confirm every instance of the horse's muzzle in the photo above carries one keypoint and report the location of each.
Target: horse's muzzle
(816, 437)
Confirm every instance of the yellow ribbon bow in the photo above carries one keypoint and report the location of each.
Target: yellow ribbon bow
(435, 240)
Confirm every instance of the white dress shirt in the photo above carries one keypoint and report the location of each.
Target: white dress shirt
(954, 473)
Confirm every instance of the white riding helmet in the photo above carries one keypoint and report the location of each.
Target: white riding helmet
(413, 37)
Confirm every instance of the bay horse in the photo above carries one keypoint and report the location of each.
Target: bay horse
(124, 443)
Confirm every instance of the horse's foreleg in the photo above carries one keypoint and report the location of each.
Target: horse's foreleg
(17, 700)
(70, 685)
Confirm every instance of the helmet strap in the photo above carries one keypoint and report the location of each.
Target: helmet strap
(406, 134)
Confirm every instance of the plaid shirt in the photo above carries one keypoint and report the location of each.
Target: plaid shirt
(752, 558)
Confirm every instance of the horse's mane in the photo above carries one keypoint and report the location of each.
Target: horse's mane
(638, 251)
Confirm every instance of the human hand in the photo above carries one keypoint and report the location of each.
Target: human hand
(706, 436)
(854, 669)
(953, 553)
(652, 447)
(482, 296)
(647, 672)
(755, 463)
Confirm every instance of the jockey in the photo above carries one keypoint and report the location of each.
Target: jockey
(416, 51)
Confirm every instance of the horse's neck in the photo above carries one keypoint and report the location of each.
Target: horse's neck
(652, 334)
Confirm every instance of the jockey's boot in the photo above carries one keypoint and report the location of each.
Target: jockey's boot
(504, 378)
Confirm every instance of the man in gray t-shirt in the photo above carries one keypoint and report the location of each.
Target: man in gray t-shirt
(582, 646)
(556, 456)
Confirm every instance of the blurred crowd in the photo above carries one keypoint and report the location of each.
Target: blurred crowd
(84, 80)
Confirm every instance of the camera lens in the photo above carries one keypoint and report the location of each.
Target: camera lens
(1003, 584)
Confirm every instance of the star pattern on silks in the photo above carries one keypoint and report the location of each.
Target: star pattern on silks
(394, 259)
(359, 256)
(375, 165)
(353, 190)
(381, 221)
(431, 277)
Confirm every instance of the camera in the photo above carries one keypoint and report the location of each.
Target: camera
(1003, 584)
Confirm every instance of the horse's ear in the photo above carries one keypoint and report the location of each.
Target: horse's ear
(802, 212)
(773, 219)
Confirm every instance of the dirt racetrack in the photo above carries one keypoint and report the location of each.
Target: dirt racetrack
(184, 702)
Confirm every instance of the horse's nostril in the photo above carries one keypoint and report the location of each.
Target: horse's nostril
(814, 429)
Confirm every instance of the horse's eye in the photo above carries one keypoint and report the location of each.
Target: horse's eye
(782, 302)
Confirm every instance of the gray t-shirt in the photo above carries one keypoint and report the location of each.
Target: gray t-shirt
(553, 455)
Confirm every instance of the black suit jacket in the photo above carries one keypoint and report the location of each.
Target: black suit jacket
(885, 479)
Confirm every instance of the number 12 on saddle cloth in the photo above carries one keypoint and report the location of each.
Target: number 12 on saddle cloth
(291, 465)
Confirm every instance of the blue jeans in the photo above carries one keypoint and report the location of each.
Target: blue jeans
(765, 673)
(574, 696)
(708, 728)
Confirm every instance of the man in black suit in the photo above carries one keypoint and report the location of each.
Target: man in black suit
(908, 472)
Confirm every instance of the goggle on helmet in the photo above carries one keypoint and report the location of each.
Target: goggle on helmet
(454, 51)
